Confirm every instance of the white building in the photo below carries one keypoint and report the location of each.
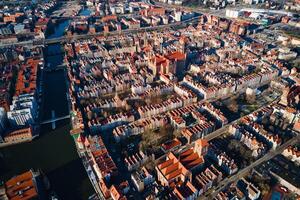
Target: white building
(23, 110)
(141, 179)
(177, 16)
(233, 13)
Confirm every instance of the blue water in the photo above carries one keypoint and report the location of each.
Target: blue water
(85, 12)
(59, 29)
(276, 195)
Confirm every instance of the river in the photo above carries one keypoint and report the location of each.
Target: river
(54, 151)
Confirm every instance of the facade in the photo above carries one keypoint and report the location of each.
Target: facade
(23, 134)
(141, 179)
(23, 111)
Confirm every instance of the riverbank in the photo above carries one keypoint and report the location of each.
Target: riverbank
(7, 144)
(54, 152)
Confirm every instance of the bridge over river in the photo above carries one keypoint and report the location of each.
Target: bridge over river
(54, 119)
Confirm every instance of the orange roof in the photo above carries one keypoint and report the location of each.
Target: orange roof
(27, 85)
(190, 159)
(171, 144)
(176, 56)
(21, 187)
(297, 126)
(109, 18)
(172, 168)
(201, 142)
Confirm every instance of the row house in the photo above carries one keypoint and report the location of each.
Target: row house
(153, 11)
(101, 162)
(104, 104)
(183, 91)
(23, 134)
(185, 191)
(177, 122)
(216, 91)
(200, 119)
(223, 160)
(286, 112)
(251, 80)
(250, 140)
(206, 179)
(128, 77)
(218, 78)
(292, 153)
(187, 100)
(249, 189)
(139, 126)
(201, 89)
(255, 47)
(141, 179)
(185, 110)
(135, 161)
(151, 110)
(139, 88)
(268, 74)
(95, 90)
(272, 139)
(158, 90)
(216, 113)
(110, 122)
(116, 120)
(118, 192)
(125, 49)
(263, 112)
(175, 116)
(132, 23)
(198, 131)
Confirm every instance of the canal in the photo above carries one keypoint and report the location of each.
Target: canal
(54, 151)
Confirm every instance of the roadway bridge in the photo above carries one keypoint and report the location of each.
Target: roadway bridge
(73, 38)
(54, 119)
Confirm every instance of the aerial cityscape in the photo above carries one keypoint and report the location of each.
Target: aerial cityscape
(150, 99)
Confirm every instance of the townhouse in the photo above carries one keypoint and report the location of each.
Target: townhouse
(139, 126)
(135, 161)
(110, 122)
(292, 153)
(156, 109)
(223, 160)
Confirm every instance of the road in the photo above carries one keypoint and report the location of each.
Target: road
(272, 153)
(127, 31)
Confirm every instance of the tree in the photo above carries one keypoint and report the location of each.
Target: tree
(290, 196)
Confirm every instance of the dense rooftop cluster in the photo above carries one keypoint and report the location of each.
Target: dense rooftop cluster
(25, 23)
(176, 113)
(160, 87)
(20, 93)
